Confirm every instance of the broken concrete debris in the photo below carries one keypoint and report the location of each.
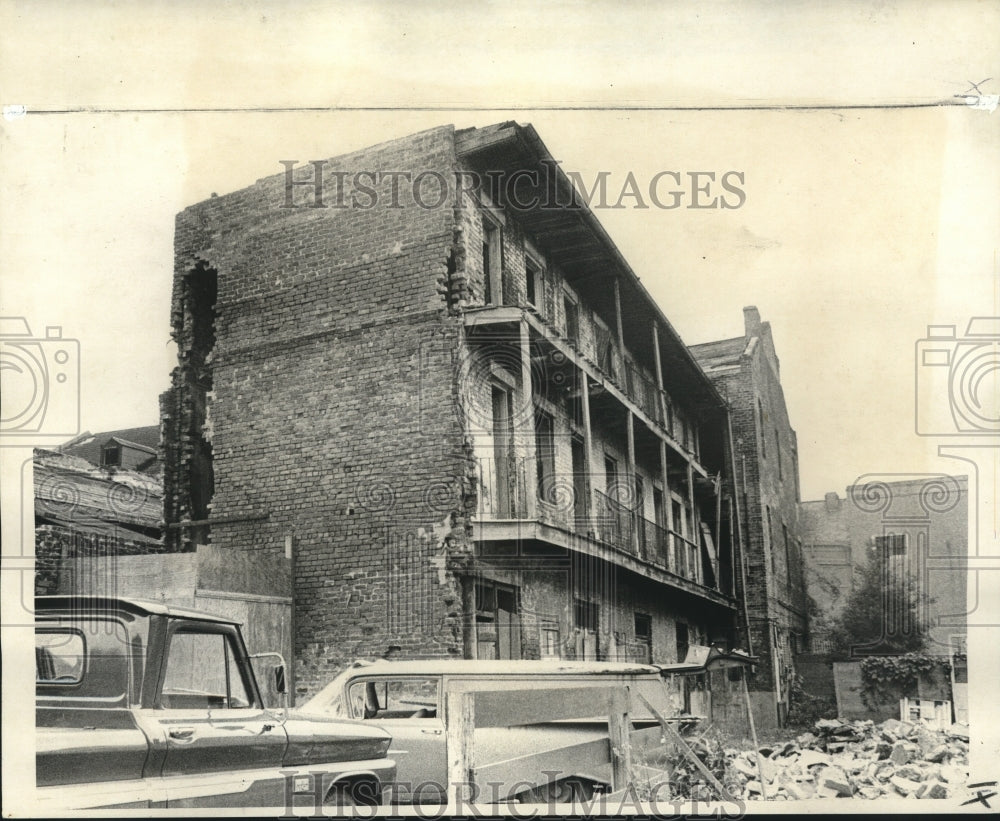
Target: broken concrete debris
(857, 759)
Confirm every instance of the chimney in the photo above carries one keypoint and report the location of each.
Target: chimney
(751, 321)
(832, 502)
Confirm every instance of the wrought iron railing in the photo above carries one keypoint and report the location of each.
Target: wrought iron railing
(614, 522)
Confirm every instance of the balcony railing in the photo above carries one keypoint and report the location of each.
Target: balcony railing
(502, 496)
(646, 394)
(614, 522)
(625, 529)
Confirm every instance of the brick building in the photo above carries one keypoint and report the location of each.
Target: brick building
(746, 371)
(918, 524)
(425, 372)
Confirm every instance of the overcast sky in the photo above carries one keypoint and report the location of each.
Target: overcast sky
(860, 227)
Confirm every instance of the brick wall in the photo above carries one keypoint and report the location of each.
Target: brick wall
(331, 416)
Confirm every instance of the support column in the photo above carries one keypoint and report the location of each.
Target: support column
(668, 513)
(621, 332)
(588, 447)
(630, 473)
(693, 524)
(662, 399)
(527, 431)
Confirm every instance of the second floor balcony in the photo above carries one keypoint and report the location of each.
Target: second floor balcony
(567, 511)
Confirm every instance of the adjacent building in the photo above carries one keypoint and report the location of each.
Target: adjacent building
(745, 369)
(87, 517)
(425, 373)
(913, 524)
(131, 448)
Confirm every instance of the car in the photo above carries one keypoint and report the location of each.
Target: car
(409, 699)
(141, 705)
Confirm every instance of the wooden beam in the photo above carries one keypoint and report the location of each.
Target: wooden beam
(588, 448)
(619, 727)
(662, 401)
(693, 525)
(753, 735)
(636, 508)
(668, 505)
(618, 320)
(461, 760)
(675, 736)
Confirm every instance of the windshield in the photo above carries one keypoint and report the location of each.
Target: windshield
(328, 701)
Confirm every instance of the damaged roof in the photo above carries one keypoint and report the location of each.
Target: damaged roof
(720, 354)
(73, 493)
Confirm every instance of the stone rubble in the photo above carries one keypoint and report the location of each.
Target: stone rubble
(857, 759)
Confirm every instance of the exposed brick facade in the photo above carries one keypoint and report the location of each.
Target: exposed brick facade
(747, 372)
(338, 400)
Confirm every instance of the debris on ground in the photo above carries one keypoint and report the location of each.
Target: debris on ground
(856, 759)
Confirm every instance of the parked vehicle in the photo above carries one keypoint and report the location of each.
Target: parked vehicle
(143, 705)
(409, 699)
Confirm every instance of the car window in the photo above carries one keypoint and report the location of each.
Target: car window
(59, 657)
(202, 673)
(409, 697)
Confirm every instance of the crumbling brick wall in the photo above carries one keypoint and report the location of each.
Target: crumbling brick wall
(332, 414)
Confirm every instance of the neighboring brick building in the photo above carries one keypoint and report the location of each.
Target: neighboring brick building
(465, 419)
(745, 370)
(919, 523)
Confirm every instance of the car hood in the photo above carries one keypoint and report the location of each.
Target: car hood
(313, 737)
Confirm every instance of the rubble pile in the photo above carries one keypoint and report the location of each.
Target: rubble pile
(857, 759)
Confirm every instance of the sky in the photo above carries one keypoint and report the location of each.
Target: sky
(860, 228)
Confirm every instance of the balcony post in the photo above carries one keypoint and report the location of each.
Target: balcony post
(636, 510)
(694, 528)
(668, 505)
(661, 396)
(588, 449)
(621, 328)
(527, 432)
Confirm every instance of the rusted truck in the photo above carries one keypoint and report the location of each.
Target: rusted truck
(542, 762)
(143, 705)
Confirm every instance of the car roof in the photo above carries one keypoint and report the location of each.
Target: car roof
(105, 604)
(482, 667)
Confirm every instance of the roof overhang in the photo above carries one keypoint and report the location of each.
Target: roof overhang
(553, 212)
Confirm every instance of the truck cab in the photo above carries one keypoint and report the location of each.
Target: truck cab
(139, 704)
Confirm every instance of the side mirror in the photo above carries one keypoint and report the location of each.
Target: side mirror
(279, 680)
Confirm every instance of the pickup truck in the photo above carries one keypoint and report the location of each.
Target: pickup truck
(142, 705)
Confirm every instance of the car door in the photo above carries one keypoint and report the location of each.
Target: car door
(207, 709)
(409, 708)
